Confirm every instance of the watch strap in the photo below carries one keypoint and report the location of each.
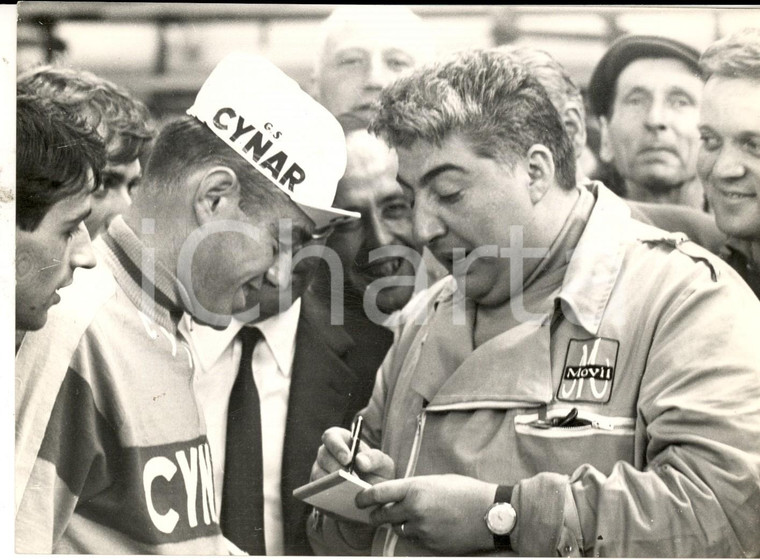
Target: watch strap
(503, 494)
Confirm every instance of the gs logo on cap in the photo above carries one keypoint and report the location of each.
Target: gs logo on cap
(589, 370)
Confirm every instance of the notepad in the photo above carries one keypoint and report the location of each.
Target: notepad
(335, 494)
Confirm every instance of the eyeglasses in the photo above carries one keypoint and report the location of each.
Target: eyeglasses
(320, 233)
(325, 231)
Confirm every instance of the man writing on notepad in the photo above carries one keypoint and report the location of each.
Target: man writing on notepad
(565, 391)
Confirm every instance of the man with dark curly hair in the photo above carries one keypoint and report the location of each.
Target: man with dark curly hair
(582, 384)
(123, 122)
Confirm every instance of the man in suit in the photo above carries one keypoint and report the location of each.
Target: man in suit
(313, 372)
(314, 369)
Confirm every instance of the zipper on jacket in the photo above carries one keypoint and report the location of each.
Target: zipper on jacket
(412, 465)
(392, 538)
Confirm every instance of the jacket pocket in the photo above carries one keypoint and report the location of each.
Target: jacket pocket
(565, 438)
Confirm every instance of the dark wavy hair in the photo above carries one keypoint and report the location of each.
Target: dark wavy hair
(493, 102)
(55, 154)
(122, 120)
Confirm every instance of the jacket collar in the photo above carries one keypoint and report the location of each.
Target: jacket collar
(593, 266)
(596, 261)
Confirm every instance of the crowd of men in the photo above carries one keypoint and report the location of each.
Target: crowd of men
(542, 367)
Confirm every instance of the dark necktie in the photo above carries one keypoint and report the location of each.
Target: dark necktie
(242, 516)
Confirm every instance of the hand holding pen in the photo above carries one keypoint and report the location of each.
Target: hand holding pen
(356, 432)
(372, 464)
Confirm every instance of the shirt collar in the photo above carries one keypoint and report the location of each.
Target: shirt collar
(279, 332)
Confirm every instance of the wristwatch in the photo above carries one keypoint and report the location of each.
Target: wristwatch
(501, 518)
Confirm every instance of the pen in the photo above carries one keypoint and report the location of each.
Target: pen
(356, 433)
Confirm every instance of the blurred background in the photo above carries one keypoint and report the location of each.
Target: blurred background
(163, 51)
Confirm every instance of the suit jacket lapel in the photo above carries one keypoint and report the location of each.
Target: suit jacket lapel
(320, 395)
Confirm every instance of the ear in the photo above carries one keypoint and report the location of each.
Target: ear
(541, 171)
(217, 195)
(575, 128)
(605, 143)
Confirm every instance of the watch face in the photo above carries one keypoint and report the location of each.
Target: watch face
(501, 518)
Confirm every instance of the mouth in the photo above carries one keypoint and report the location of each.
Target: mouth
(449, 260)
(657, 150)
(735, 195)
(382, 268)
(63, 285)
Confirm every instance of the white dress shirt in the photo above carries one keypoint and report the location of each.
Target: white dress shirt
(217, 359)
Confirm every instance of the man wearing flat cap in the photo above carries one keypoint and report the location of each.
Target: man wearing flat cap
(646, 92)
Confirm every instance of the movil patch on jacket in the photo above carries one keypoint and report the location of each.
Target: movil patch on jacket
(589, 370)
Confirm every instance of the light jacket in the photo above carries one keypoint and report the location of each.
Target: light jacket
(655, 342)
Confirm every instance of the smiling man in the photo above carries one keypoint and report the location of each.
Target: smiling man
(112, 454)
(646, 92)
(58, 159)
(729, 158)
(370, 187)
(571, 389)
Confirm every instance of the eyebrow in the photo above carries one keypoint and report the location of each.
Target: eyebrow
(118, 175)
(430, 175)
(82, 216)
(390, 197)
(681, 91)
(397, 51)
(637, 89)
(349, 51)
(111, 173)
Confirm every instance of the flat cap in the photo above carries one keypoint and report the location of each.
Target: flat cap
(623, 51)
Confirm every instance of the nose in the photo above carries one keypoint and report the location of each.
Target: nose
(279, 274)
(378, 73)
(727, 164)
(428, 226)
(124, 195)
(377, 231)
(656, 115)
(82, 255)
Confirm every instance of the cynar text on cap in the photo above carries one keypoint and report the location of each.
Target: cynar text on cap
(259, 143)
